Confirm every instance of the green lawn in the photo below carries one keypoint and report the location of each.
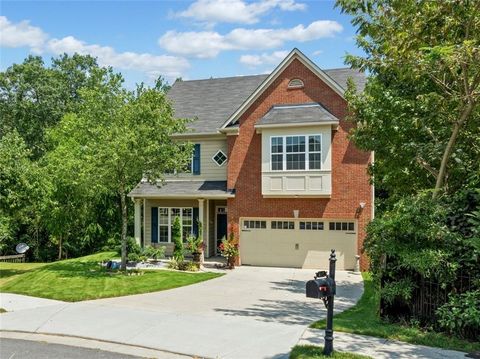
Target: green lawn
(313, 352)
(82, 278)
(363, 319)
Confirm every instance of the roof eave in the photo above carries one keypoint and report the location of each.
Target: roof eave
(259, 127)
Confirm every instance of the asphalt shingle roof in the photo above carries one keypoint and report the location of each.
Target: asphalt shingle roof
(213, 101)
(301, 113)
(181, 188)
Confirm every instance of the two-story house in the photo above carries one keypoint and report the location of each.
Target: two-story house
(273, 162)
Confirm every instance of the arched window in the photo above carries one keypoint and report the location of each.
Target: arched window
(295, 84)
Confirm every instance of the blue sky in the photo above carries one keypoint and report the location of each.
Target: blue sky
(191, 39)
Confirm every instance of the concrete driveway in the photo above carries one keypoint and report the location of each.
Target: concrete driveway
(251, 312)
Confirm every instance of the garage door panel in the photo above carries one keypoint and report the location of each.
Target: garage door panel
(297, 248)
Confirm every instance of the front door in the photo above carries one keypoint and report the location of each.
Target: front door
(221, 228)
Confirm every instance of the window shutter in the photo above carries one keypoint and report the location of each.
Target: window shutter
(196, 159)
(195, 221)
(154, 221)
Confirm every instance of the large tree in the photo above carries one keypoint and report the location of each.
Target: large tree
(419, 111)
(118, 137)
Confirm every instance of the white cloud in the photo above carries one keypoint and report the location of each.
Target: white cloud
(21, 34)
(169, 66)
(208, 44)
(317, 53)
(264, 59)
(236, 11)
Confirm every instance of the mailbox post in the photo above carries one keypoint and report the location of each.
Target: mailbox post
(324, 287)
(328, 348)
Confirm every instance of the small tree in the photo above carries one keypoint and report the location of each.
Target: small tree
(119, 136)
(177, 240)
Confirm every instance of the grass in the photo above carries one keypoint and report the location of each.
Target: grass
(363, 319)
(82, 279)
(314, 352)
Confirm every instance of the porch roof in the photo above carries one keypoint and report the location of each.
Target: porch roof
(182, 189)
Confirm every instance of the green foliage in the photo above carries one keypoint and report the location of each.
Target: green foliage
(461, 313)
(183, 265)
(154, 252)
(178, 250)
(229, 247)
(194, 244)
(419, 111)
(133, 257)
(313, 352)
(83, 278)
(364, 319)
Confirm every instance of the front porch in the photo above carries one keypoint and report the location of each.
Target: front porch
(194, 202)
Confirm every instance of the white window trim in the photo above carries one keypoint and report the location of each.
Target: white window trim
(216, 153)
(307, 153)
(291, 84)
(170, 222)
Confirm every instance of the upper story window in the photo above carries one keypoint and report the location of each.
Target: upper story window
(295, 84)
(219, 158)
(296, 153)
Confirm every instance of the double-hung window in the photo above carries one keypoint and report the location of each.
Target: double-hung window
(166, 216)
(296, 153)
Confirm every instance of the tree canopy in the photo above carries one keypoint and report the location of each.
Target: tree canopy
(419, 111)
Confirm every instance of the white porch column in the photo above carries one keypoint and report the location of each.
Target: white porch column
(202, 220)
(138, 221)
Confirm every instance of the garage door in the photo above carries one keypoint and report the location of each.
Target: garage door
(297, 243)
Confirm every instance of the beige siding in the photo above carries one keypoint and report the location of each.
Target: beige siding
(298, 248)
(209, 170)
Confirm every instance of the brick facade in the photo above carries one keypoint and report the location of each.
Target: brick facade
(350, 181)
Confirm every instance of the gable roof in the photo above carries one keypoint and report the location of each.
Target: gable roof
(217, 103)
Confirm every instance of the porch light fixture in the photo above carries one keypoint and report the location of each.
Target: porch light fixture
(359, 209)
(362, 205)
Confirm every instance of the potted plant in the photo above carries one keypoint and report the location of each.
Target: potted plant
(195, 246)
(229, 250)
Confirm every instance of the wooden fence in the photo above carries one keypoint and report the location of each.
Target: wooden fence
(16, 258)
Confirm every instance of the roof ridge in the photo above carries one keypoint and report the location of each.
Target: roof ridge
(224, 78)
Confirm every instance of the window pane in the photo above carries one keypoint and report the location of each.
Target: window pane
(314, 144)
(314, 161)
(163, 216)
(331, 226)
(338, 226)
(320, 225)
(175, 213)
(296, 161)
(163, 233)
(277, 144)
(351, 226)
(302, 225)
(277, 162)
(344, 226)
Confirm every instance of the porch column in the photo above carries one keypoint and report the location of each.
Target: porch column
(138, 221)
(202, 220)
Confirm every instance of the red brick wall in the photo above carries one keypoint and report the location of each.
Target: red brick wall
(350, 182)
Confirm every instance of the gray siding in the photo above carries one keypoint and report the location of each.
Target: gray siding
(209, 170)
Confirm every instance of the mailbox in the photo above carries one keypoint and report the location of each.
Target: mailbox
(320, 288)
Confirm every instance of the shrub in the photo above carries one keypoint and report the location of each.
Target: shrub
(184, 265)
(154, 253)
(178, 251)
(133, 257)
(132, 247)
(461, 313)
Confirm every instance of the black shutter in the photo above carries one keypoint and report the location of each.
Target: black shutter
(154, 221)
(195, 221)
(196, 159)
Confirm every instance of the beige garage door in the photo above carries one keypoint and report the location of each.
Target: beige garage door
(297, 243)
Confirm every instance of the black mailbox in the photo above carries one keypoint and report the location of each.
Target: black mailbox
(320, 288)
